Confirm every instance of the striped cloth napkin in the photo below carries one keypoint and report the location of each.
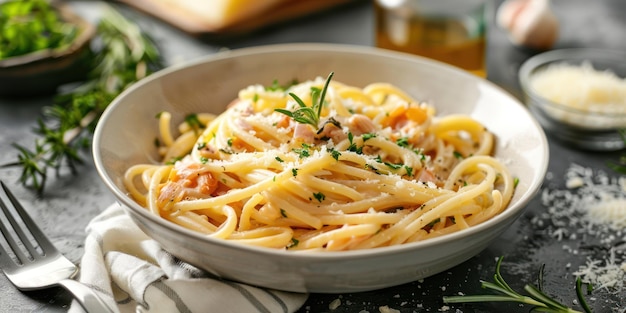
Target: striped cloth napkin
(131, 272)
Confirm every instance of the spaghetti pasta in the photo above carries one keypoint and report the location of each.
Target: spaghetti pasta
(323, 166)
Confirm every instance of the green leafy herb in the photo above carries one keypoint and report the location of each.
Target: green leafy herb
(227, 151)
(620, 166)
(126, 55)
(409, 170)
(403, 142)
(173, 160)
(304, 152)
(294, 242)
(394, 166)
(279, 159)
(278, 87)
(193, 122)
(32, 25)
(335, 154)
(319, 196)
(368, 136)
(353, 147)
(502, 292)
(433, 222)
(309, 115)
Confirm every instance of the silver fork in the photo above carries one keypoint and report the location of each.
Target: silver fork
(41, 268)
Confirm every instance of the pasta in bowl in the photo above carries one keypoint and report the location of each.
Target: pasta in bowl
(271, 187)
(324, 166)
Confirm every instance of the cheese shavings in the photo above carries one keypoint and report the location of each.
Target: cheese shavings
(592, 207)
(583, 88)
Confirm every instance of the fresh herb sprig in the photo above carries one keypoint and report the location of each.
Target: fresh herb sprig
(32, 25)
(620, 166)
(502, 292)
(309, 115)
(125, 56)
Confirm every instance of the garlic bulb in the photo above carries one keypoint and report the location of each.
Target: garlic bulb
(530, 23)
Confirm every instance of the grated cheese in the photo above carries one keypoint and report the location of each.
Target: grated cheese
(334, 304)
(592, 205)
(586, 89)
(386, 309)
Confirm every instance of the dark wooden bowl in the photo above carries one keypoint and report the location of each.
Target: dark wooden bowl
(42, 72)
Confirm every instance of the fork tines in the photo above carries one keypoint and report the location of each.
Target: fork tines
(11, 209)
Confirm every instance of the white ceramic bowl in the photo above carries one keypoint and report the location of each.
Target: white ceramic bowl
(127, 129)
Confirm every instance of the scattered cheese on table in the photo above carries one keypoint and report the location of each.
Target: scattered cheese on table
(593, 204)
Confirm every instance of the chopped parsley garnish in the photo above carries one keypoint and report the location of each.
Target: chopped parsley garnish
(319, 196)
(353, 147)
(275, 86)
(403, 142)
(173, 160)
(193, 122)
(304, 152)
(294, 171)
(335, 154)
(283, 212)
(279, 159)
(409, 170)
(368, 136)
(433, 222)
(294, 242)
(457, 154)
(393, 165)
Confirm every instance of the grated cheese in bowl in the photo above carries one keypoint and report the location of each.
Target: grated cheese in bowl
(592, 98)
(578, 95)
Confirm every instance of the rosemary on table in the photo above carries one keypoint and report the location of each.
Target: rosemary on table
(502, 292)
(126, 55)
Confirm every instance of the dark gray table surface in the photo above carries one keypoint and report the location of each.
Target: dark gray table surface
(71, 201)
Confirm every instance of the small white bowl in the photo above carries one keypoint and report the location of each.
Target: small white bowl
(586, 128)
(126, 132)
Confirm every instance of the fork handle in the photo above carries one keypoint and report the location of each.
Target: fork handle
(87, 297)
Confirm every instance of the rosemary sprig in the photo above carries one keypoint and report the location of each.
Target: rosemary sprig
(620, 166)
(309, 115)
(502, 292)
(126, 55)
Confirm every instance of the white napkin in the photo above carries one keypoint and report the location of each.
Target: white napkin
(132, 273)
